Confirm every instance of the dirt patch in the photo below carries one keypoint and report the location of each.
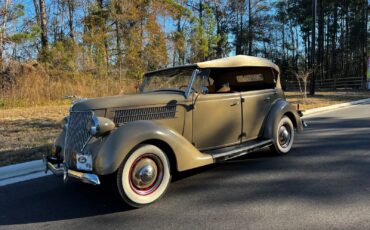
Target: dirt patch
(22, 155)
(24, 130)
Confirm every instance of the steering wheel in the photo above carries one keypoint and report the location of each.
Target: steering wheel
(185, 86)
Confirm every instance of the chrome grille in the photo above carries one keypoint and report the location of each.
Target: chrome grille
(149, 113)
(78, 134)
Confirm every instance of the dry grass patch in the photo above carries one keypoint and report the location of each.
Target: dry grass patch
(322, 99)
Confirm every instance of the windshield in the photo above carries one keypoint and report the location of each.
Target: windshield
(177, 79)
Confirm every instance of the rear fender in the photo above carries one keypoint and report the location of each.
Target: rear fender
(278, 110)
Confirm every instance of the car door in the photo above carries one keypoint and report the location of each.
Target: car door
(256, 106)
(217, 120)
(257, 95)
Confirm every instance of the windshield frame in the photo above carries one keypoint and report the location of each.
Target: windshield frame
(192, 69)
(192, 79)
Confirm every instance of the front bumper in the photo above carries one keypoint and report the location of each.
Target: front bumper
(58, 170)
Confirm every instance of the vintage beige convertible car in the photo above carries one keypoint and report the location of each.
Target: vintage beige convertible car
(183, 118)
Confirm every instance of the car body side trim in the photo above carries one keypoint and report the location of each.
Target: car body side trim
(241, 150)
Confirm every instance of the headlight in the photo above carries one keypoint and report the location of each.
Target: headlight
(94, 126)
(101, 126)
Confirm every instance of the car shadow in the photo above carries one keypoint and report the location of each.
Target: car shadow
(49, 199)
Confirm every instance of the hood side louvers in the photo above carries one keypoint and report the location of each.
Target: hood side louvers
(123, 116)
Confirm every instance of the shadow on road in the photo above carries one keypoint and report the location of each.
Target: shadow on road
(49, 199)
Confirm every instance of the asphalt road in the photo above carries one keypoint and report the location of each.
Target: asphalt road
(324, 183)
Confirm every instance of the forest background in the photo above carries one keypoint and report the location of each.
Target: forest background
(53, 48)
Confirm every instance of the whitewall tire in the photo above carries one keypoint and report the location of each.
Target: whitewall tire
(283, 136)
(143, 176)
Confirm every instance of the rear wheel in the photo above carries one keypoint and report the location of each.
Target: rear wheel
(143, 176)
(283, 136)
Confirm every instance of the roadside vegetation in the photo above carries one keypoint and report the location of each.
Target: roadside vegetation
(31, 85)
(50, 49)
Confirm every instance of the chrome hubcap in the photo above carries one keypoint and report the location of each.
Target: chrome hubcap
(146, 174)
(284, 136)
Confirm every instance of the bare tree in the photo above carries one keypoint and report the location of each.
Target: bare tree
(303, 76)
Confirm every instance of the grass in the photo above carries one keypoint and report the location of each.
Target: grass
(322, 99)
(26, 132)
(37, 88)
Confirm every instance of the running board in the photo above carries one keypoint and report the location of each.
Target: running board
(239, 150)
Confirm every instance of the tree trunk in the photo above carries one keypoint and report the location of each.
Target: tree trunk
(219, 31)
(43, 25)
(346, 59)
(292, 40)
(320, 45)
(333, 40)
(71, 9)
(37, 11)
(201, 12)
(297, 47)
(118, 46)
(3, 32)
(239, 34)
(250, 28)
(365, 40)
(305, 51)
(283, 40)
(104, 30)
(326, 51)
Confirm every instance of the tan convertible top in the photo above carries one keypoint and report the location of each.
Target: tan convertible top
(229, 62)
(238, 61)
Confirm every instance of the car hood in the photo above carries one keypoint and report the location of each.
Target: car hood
(131, 100)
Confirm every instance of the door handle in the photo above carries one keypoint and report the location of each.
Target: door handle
(267, 99)
(236, 103)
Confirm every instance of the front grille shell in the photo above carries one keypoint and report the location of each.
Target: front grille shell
(77, 135)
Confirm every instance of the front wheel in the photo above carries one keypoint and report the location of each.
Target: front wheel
(283, 136)
(143, 176)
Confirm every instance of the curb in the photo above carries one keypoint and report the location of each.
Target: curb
(336, 106)
(21, 172)
(35, 169)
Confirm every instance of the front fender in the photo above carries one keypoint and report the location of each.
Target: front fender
(278, 110)
(121, 141)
